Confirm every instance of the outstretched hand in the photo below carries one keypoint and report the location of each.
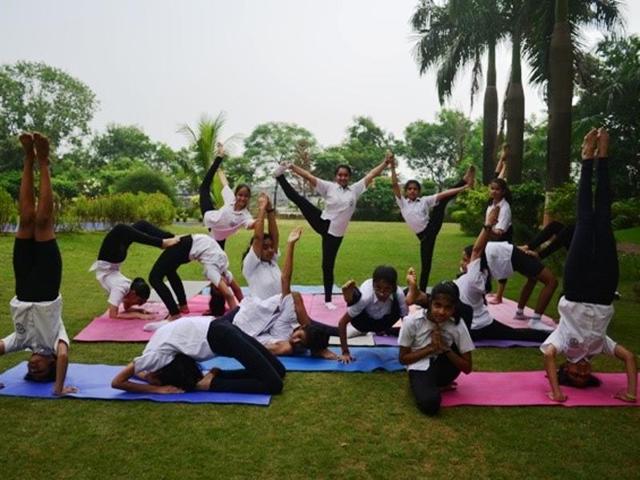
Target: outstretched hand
(411, 277)
(389, 159)
(66, 390)
(263, 201)
(170, 242)
(559, 397)
(295, 234)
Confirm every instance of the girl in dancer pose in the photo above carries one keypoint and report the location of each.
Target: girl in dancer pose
(331, 223)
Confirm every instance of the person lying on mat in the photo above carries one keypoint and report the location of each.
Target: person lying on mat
(590, 281)
(36, 308)
(472, 284)
(113, 251)
(215, 264)
(435, 346)
(374, 307)
(281, 322)
(169, 362)
(260, 261)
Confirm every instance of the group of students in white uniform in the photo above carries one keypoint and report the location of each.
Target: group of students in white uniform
(435, 340)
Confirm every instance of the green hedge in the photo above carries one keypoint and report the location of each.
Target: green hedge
(157, 208)
(8, 210)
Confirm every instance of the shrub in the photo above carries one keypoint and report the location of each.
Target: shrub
(147, 181)
(526, 209)
(562, 203)
(378, 203)
(469, 210)
(8, 211)
(155, 208)
(625, 213)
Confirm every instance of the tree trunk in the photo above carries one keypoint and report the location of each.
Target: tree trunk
(560, 97)
(514, 106)
(490, 119)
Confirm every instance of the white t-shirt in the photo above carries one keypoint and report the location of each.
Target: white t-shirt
(504, 217)
(269, 320)
(582, 331)
(187, 335)
(38, 326)
(213, 259)
(415, 334)
(112, 280)
(374, 307)
(263, 278)
(499, 259)
(416, 213)
(226, 221)
(340, 203)
(472, 289)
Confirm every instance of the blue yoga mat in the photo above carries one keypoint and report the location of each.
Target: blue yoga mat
(367, 359)
(94, 382)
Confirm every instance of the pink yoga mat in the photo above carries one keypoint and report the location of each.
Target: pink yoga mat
(530, 388)
(504, 312)
(105, 329)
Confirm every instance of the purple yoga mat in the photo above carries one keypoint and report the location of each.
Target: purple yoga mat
(503, 313)
(530, 388)
(105, 329)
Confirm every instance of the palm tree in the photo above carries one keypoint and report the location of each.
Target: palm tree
(452, 36)
(203, 140)
(554, 51)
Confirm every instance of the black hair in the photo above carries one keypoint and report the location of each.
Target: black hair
(240, 187)
(451, 290)
(316, 338)
(386, 274)
(216, 302)
(140, 288)
(342, 165)
(565, 379)
(412, 182)
(50, 376)
(501, 182)
(265, 236)
(182, 372)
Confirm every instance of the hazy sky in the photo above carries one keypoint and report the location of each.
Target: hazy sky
(318, 63)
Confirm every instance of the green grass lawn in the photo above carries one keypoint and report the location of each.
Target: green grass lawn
(324, 425)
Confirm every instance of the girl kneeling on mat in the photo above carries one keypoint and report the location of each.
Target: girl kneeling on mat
(169, 361)
(435, 346)
(375, 307)
(590, 281)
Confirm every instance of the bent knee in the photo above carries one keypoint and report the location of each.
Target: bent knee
(429, 405)
(275, 386)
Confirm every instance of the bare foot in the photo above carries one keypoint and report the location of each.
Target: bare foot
(170, 242)
(347, 291)
(470, 177)
(589, 144)
(495, 300)
(41, 144)
(26, 139)
(603, 143)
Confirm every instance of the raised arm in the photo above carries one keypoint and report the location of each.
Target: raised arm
(273, 225)
(287, 271)
(485, 235)
(301, 172)
(62, 362)
(394, 179)
(258, 225)
(377, 170)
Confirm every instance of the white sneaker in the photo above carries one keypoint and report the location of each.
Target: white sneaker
(330, 306)
(280, 169)
(540, 325)
(153, 326)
